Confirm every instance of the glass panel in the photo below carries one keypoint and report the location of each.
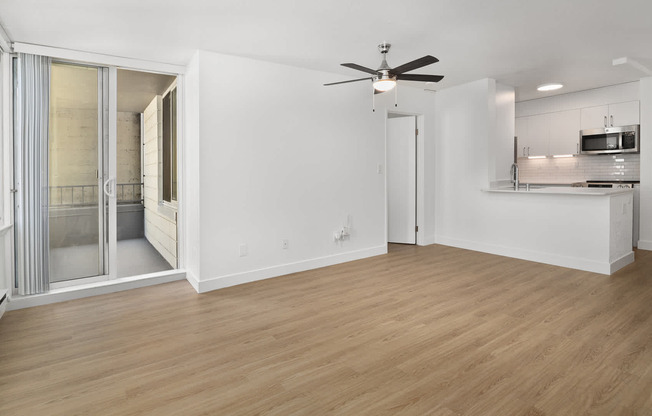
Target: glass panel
(167, 142)
(173, 143)
(170, 146)
(76, 240)
(600, 142)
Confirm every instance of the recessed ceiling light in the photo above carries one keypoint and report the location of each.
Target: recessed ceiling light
(550, 87)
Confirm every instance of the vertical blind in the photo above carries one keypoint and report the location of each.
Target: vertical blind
(31, 112)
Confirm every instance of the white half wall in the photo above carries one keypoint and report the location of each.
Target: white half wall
(273, 155)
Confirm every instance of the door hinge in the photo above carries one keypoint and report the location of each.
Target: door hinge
(416, 132)
(416, 229)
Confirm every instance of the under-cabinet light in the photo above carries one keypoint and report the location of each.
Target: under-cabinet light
(536, 157)
(558, 156)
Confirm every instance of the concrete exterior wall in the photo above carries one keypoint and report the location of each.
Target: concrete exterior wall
(128, 154)
(160, 219)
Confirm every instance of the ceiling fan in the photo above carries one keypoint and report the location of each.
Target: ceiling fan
(384, 78)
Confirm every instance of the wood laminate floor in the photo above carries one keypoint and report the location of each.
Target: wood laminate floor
(421, 331)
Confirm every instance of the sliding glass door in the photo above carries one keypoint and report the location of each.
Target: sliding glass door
(77, 169)
(96, 173)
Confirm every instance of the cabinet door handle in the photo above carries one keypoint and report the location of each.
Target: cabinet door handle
(578, 148)
(523, 151)
(605, 121)
(611, 118)
(528, 150)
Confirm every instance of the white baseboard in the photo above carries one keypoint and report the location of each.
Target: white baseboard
(234, 279)
(427, 240)
(605, 267)
(644, 245)
(192, 279)
(94, 289)
(622, 262)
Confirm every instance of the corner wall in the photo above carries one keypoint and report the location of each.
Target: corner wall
(280, 157)
(645, 224)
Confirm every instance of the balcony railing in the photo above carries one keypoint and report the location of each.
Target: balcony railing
(85, 195)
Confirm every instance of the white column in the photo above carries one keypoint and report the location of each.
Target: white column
(645, 227)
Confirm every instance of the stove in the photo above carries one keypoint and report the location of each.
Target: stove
(610, 184)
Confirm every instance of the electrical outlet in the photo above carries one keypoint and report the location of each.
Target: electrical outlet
(379, 169)
(285, 244)
(244, 250)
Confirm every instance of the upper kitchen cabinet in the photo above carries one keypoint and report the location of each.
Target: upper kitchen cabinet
(612, 115)
(548, 134)
(532, 134)
(538, 133)
(564, 133)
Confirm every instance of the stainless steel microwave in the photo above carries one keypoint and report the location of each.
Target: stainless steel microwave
(624, 139)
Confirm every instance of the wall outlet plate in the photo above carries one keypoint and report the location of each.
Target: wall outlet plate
(285, 244)
(244, 250)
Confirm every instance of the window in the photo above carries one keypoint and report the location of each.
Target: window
(169, 154)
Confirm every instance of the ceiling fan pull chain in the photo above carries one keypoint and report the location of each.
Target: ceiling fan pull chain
(396, 96)
(373, 100)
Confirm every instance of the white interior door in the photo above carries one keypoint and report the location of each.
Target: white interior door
(401, 180)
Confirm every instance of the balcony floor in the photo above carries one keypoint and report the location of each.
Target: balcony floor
(135, 257)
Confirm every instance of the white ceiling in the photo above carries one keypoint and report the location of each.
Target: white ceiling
(518, 42)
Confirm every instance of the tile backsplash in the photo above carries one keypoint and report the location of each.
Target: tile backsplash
(624, 167)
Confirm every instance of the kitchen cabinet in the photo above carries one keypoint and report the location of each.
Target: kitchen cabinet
(520, 130)
(532, 134)
(618, 114)
(548, 134)
(564, 133)
(538, 132)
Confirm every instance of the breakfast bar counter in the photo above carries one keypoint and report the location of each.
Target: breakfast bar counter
(583, 228)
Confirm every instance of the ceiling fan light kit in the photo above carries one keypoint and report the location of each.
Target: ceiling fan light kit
(385, 83)
(384, 78)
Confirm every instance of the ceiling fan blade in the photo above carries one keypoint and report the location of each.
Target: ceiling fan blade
(417, 63)
(351, 80)
(419, 77)
(361, 68)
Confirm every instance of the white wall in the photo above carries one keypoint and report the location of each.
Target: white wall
(280, 157)
(645, 225)
(463, 122)
(501, 150)
(190, 183)
(6, 233)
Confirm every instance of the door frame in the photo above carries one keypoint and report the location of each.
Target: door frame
(107, 220)
(420, 176)
(102, 284)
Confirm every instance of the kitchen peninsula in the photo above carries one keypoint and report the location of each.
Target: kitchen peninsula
(582, 228)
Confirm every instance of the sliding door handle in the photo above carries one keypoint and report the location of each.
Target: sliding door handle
(111, 192)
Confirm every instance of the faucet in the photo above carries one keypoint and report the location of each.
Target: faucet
(514, 174)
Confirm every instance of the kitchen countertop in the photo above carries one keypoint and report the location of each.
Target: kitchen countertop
(558, 190)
